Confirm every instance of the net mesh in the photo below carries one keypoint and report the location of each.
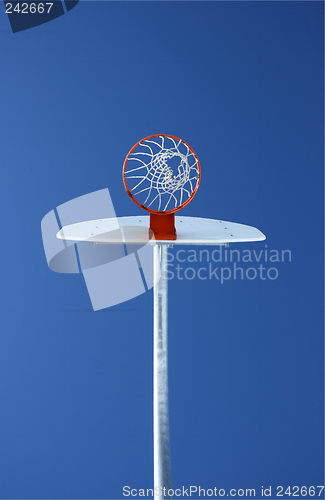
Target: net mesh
(162, 173)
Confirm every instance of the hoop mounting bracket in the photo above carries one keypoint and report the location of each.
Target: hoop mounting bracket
(163, 226)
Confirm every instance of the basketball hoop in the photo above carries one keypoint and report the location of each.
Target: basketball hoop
(161, 174)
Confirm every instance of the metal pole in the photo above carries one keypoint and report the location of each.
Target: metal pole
(162, 468)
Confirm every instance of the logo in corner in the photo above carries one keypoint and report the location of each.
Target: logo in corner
(24, 15)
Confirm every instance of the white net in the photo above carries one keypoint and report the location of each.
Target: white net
(162, 173)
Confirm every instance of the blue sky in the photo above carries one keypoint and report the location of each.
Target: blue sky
(242, 83)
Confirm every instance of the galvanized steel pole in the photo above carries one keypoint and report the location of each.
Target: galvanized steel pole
(162, 467)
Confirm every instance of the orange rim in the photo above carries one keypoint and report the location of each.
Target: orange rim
(185, 202)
